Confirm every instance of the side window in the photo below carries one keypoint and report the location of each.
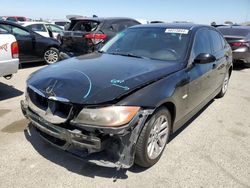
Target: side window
(37, 27)
(5, 28)
(223, 41)
(215, 41)
(132, 23)
(20, 32)
(12, 19)
(201, 43)
(54, 28)
(123, 25)
(119, 26)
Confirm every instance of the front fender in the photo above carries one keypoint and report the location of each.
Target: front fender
(172, 88)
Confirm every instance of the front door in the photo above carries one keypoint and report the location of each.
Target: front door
(201, 76)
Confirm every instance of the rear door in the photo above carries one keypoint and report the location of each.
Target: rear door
(220, 52)
(26, 44)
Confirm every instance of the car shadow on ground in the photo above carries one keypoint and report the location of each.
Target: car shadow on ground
(31, 65)
(239, 66)
(7, 92)
(76, 165)
(69, 161)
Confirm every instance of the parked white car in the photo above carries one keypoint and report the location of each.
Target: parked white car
(43, 28)
(9, 52)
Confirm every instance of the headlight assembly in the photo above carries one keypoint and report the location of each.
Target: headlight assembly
(112, 116)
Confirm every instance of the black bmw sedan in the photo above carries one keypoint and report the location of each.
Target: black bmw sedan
(120, 105)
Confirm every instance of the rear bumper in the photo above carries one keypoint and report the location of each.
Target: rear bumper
(112, 148)
(9, 67)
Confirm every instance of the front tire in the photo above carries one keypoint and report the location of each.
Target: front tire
(51, 55)
(153, 138)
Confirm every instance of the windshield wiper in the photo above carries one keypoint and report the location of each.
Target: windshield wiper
(128, 55)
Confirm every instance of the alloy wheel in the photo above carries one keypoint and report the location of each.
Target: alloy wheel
(158, 137)
(51, 56)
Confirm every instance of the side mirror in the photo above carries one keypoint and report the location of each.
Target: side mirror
(204, 58)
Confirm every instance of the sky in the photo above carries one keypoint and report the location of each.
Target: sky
(197, 11)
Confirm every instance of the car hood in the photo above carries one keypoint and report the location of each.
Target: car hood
(98, 78)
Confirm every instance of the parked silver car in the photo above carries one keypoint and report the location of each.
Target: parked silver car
(239, 39)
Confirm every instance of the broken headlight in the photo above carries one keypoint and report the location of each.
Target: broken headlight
(112, 116)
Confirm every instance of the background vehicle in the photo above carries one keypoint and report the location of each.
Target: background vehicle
(9, 61)
(239, 39)
(60, 23)
(32, 46)
(44, 29)
(151, 80)
(14, 18)
(85, 35)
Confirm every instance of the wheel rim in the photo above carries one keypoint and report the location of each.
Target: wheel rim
(158, 137)
(51, 56)
(225, 84)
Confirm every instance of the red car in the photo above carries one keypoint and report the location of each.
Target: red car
(14, 18)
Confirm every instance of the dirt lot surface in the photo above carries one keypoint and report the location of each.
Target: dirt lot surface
(211, 151)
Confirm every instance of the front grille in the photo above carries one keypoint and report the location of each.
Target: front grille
(61, 109)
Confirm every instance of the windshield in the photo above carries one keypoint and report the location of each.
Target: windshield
(152, 43)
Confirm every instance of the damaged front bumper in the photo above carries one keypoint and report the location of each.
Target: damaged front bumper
(109, 147)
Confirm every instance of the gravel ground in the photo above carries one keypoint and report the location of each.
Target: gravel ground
(211, 151)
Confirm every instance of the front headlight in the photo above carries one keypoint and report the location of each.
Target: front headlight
(112, 116)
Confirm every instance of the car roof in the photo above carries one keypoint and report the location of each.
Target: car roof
(188, 26)
(31, 23)
(102, 18)
(14, 16)
(234, 27)
(10, 23)
(16, 25)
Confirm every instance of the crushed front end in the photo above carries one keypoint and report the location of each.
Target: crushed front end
(56, 119)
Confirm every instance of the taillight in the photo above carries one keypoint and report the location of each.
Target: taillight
(240, 44)
(14, 50)
(96, 37)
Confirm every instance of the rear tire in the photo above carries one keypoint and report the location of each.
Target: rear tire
(51, 55)
(153, 138)
(224, 86)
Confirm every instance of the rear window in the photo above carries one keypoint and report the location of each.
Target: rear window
(12, 19)
(21, 19)
(61, 23)
(83, 25)
(235, 31)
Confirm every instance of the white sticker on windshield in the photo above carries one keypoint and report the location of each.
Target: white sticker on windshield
(179, 31)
